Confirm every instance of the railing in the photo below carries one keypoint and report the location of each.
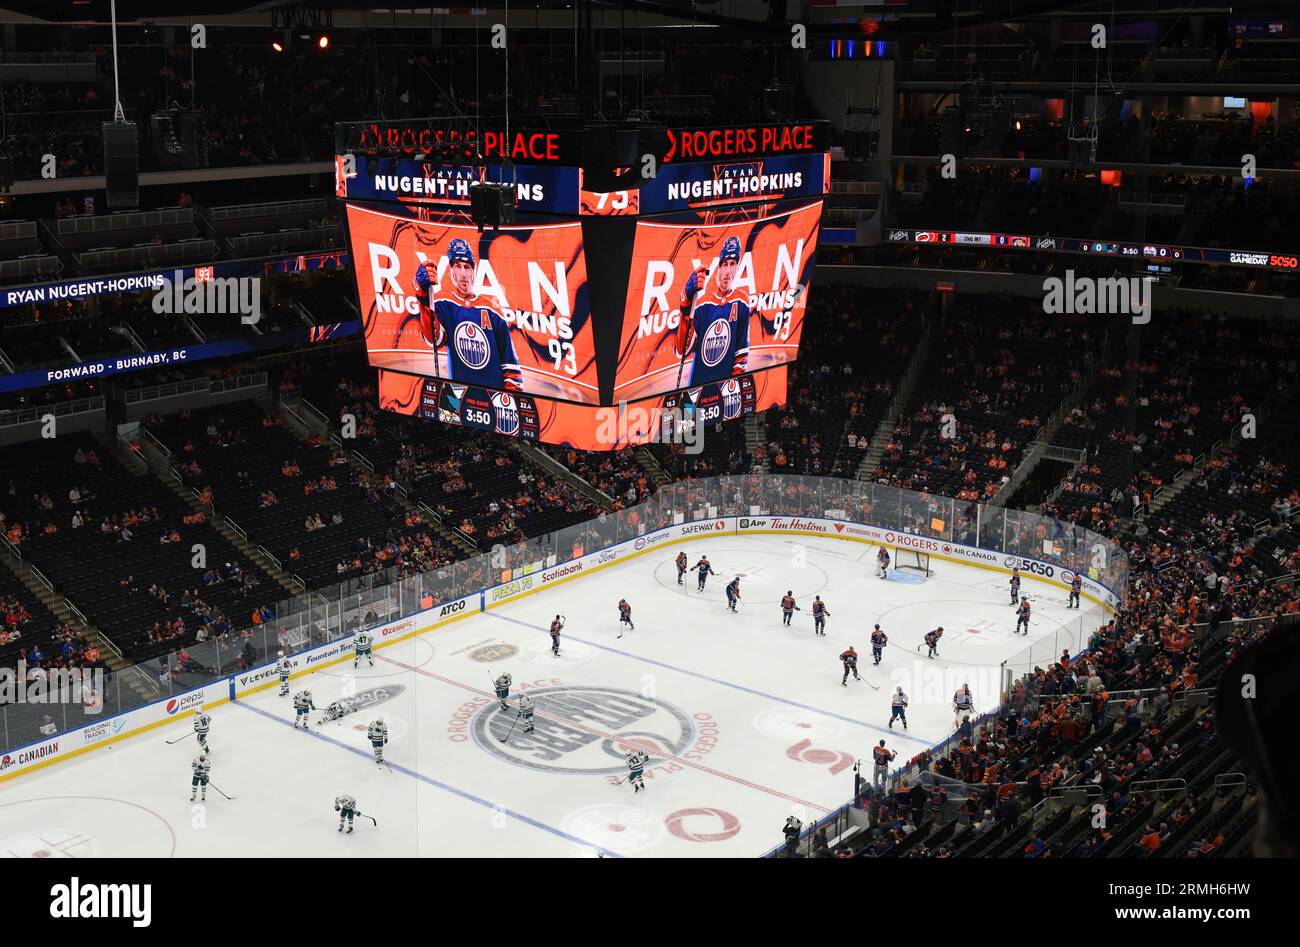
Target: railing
(61, 409)
(39, 576)
(325, 615)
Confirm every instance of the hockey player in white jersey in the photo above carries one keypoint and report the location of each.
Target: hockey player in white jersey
(636, 770)
(301, 704)
(377, 733)
(526, 712)
(202, 723)
(362, 644)
(347, 809)
(962, 703)
(335, 710)
(199, 781)
(282, 668)
(502, 687)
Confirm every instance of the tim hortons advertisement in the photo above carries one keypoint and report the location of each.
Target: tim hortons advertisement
(505, 309)
(706, 302)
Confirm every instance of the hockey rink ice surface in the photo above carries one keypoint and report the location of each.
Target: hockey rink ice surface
(745, 721)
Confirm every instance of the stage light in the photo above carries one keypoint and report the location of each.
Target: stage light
(277, 46)
(324, 41)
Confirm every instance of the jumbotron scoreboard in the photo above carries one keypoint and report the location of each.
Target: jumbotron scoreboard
(683, 296)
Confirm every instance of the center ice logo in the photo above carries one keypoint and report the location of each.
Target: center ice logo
(716, 342)
(471, 345)
(586, 731)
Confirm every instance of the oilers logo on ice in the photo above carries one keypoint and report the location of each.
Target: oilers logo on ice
(731, 400)
(587, 731)
(471, 343)
(507, 413)
(493, 652)
(716, 342)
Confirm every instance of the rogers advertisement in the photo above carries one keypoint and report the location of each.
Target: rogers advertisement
(742, 285)
(584, 427)
(504, 309)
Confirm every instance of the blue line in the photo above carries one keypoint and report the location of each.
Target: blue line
(713, 680)
(433, 782)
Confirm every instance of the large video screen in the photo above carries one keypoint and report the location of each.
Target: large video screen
(581, 426)
(505, 309)
(709, 301)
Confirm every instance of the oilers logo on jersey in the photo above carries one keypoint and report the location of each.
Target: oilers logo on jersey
(471, 343)
(717, 340)
(732, 402)
(507, 413)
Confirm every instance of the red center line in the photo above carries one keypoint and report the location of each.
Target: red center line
(654, 750)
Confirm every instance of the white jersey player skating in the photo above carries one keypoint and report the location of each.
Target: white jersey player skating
(362, 645)
(199, 780)
(502, 687)
(962, 703)
(526, 712)
(202, 723)
(636, 770)
(898, 708)
(377, 734)
(347, 809)
(301, 705)
(282, 668)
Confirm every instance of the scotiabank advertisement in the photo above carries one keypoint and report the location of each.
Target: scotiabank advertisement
(708, 301)
(505, 309)
(689, 412)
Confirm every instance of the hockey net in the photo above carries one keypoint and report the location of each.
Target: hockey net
(912, 559)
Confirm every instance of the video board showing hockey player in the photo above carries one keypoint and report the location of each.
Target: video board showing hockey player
(504, 309)
(709, 301)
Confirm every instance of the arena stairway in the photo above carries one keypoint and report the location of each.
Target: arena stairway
(933, 316)
(647, 462)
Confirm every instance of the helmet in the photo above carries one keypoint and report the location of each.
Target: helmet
(458, 251)
(280, 654)
(379, 720)
(730, 250)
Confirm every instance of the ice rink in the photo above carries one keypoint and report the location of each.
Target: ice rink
(746, 720)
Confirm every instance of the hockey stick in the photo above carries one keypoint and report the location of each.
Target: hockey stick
(179, 739)
(370, 817)
(218, 789)
(511, 730)
(689, 316)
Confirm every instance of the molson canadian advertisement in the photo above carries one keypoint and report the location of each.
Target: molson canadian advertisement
(708, 301)
(505, 309)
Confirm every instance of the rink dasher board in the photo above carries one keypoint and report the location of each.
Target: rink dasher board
(182, 706)
(528, 580)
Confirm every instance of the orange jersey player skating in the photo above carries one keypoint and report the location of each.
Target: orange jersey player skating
(788, 607)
